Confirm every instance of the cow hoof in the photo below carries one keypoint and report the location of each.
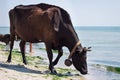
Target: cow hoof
(8, 61)
(25, 62)
(68, 62)
(54, 72)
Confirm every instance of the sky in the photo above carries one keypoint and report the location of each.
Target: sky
(82, 12)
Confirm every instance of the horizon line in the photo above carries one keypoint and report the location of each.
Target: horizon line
(86, 26)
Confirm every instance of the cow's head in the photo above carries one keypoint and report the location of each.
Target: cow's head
(79, 60)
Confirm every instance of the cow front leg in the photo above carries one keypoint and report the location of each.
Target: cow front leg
(60, 53)
(50, 57)
(22, 48)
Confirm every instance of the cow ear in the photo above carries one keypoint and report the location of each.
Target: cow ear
(56, 21)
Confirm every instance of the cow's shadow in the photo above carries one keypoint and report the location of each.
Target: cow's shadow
(22, 68)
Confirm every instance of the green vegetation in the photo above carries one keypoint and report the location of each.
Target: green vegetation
(62, 74)
(61, 70)
(55, 51)
(56, 77)
(2, 46)
(42, 48)
(17, 56)
(32, 60)
(114, 69)
(37, 62)
(109, 68)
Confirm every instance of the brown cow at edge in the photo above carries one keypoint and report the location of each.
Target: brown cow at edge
(49, 24)
(5, 38)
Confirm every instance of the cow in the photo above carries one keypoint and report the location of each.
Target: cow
(49, 24)
(5, 38)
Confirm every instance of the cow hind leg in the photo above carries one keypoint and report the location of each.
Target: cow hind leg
(11, 47)
(60, 53)
(22, 48)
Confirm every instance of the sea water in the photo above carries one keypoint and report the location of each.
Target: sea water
(105, 43)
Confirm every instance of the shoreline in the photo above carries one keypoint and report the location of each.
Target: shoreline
(36, 69)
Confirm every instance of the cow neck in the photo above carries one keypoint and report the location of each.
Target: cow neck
(72, 50)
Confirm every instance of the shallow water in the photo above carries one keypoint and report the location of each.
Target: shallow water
(105, 43)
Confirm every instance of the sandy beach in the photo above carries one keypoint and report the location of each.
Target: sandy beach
(35, 70)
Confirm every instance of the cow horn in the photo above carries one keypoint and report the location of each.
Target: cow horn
(89, 49)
